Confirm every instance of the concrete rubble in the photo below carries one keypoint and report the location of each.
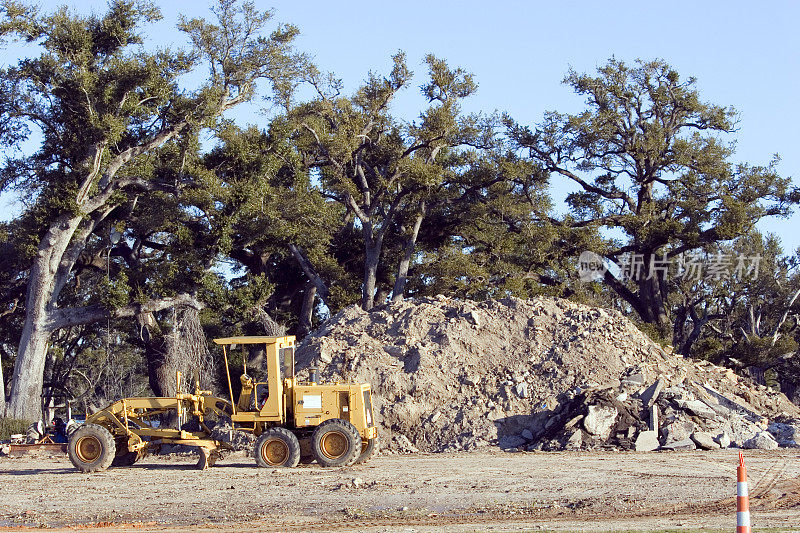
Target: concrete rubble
(538, 374)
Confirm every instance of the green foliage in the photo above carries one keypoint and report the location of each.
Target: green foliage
(359, 192)
(649, 162)
(12, 426)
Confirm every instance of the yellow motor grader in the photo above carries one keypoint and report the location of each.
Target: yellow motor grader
(291, 420)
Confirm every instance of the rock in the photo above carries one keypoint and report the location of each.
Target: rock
(395, 351)
(5, 449)
(723, 439)
(599, 420)
(633, 381)
(510, 441)
(436, 416)
(473, 318)
(685, 444)
(405, 444)
(675, 393)
(357, 482)
(678, 431)
(522, 389)
(526, 434)
(762, 441)
(650, 394)
(325, 356)
(698, 408)
(653, 418)
(787, 435)
(704, 441)
(647, 441)
(575, 440)
(740, 430)
(573, 422)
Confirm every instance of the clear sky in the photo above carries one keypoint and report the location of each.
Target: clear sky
(744, 54)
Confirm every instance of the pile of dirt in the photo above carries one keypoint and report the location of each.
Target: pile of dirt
(537, 374)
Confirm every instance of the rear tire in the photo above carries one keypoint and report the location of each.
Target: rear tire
(91, 448)
(277, 448)
(336, 442)
(368, 449)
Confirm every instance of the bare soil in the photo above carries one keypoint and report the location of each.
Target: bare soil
(477, 491)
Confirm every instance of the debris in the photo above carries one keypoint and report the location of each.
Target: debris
(651, 393)
(678, 430)
(697, 407)
(685, 444)
(762, 441)
(600, 420)
(704, 441)
(543, 373)
(647, 441)
(653, 422)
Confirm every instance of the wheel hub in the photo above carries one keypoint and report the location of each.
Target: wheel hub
(88, 449)
(334, 444)
(275, 452)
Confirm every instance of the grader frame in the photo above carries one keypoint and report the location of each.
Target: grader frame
(331, 423)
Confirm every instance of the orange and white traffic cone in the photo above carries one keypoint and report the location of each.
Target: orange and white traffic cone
(742, 498)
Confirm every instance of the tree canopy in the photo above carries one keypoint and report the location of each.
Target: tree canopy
(153, 219)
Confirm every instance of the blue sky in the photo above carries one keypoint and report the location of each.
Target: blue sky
(743, 54)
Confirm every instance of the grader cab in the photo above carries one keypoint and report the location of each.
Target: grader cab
(291, 420)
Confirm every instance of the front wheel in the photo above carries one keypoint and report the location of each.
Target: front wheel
(91, 448)
(336, 442)
(277, 447)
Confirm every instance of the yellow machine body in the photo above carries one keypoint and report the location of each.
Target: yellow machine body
(279, 401)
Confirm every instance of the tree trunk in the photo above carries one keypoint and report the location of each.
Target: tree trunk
(650, 294)
(26, 384)
(697, 327)
(2, 392)
(405, 261)
(307, 311)
(52, 263)
(320, 288)
(371, 260)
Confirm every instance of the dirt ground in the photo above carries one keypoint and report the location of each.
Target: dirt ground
(448, 492)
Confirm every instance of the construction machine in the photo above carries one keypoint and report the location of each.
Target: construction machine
(290, 419)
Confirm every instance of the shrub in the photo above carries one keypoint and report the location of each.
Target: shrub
(10, 426)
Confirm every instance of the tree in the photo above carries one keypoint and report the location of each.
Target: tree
(648, 162)
(104, 106)
(379, 169)
(271, 219)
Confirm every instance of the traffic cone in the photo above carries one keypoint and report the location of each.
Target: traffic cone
(742, 498)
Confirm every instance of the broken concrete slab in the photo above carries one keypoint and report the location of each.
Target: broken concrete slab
(698, 407)
(704, 441)
(678, 430)
(723, 439)
(646, 441)
(651, 393)
(762, 441)
(685, 444)
(600, 419)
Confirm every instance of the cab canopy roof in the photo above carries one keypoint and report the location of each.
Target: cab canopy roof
(289, 339)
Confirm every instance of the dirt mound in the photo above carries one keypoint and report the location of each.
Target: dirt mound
(542, 373)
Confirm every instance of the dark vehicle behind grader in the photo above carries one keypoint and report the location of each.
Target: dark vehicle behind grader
(331, 423)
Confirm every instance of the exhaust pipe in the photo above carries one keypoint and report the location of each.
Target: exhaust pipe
(313, 375)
